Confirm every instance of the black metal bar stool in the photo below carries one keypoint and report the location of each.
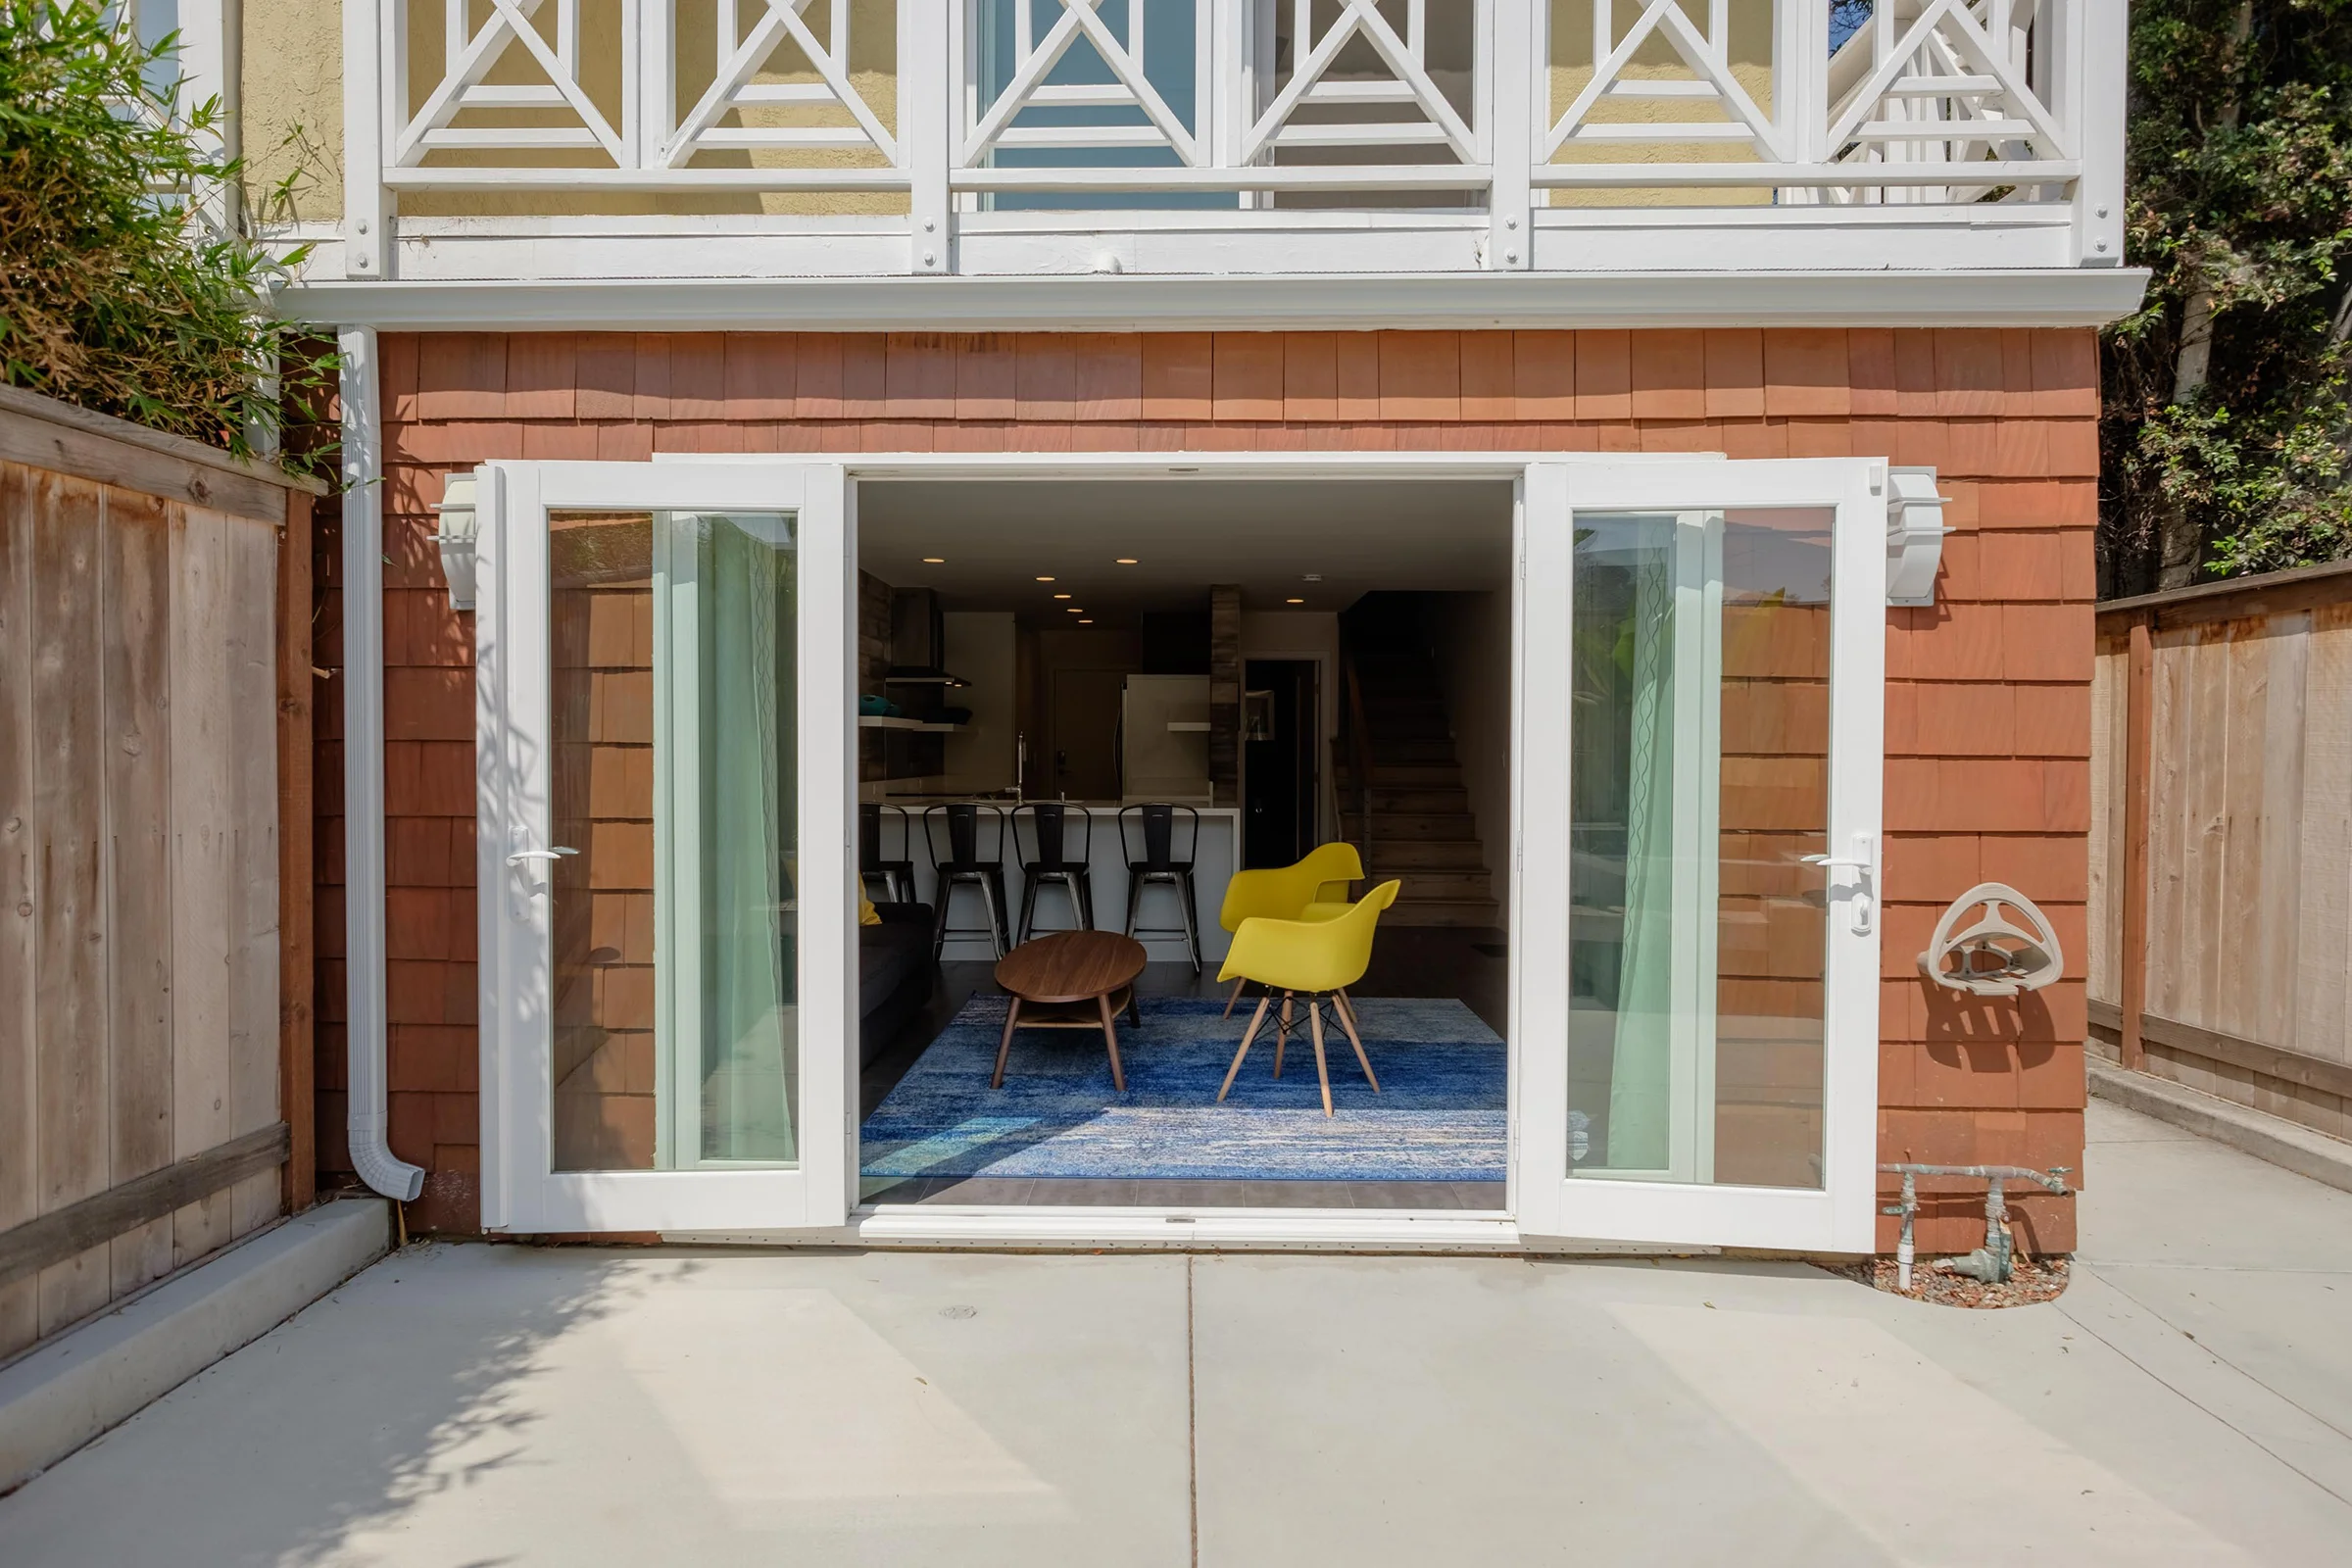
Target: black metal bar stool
(1047, 858)
(875, 864)
(975, 857)
(1165, 857)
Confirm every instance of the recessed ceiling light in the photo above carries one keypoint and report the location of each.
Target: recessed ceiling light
(935, 560)
(1086, 620)
(1075, 611)
(1062, 596)
(1312, 576)
(1044, 580)
(1124, 561)
(1294, 601)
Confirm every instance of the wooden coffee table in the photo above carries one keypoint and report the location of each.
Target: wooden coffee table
(1071, 980)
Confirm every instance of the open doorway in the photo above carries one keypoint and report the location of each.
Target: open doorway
(1064, 684)
(1281, 772)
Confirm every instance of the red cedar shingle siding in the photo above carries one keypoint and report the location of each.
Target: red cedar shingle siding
(1987, 726)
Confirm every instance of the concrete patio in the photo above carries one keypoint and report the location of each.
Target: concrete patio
(2190, 1401)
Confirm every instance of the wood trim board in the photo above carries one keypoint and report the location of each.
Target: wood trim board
(2269, 593)
(2273, 1061)
(53, 1238)
(44, 433)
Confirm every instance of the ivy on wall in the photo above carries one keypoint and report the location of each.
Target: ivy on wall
(129, 281)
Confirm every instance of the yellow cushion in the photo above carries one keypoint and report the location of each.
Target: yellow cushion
(867, 914)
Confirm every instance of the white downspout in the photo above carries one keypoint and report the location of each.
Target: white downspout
(364, 772)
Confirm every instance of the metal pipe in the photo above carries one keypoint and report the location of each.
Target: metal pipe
(1995, 1261)
(363, 879)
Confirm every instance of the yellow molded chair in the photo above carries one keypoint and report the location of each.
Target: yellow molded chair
(1314, 959)
(1314, 889)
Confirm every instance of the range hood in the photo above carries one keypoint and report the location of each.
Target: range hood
(919, 640)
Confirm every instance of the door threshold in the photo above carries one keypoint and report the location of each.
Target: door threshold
(1076, 1228)
(1089, 1226)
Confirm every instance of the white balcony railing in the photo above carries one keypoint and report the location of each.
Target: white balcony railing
(1509, 120)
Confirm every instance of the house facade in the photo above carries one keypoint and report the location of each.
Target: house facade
(1644, 452)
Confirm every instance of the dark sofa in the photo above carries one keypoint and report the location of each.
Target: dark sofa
(896, 969)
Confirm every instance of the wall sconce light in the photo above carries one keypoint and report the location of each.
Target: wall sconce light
(456, 538)
(1915, 533)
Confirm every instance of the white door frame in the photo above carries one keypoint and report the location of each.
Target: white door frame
(1543, 1209)
(1839, 1216)
(521, 1190)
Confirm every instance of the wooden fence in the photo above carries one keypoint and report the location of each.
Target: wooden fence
(2221, 885)
(155, 857)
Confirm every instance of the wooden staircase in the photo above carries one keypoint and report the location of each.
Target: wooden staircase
(1414, 815)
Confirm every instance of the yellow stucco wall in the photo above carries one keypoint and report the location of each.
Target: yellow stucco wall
(1571, 67)
(293, 108)
(290, 71)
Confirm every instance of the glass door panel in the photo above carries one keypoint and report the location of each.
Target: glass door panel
(671, 719)
(664, 719)
(1720, 658)
(1697, 784)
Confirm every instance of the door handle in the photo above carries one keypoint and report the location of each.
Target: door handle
(1864, 864)
(555, 853)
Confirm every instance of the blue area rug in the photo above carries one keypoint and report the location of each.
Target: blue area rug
(1439, 1115)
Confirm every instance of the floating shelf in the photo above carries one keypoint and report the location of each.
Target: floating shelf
(887, 721)
(917, 678)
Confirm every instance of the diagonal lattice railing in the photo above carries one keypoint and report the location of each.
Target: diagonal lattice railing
(1500, 107)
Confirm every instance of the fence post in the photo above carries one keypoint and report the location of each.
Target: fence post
(297, 967)
(2139, 669)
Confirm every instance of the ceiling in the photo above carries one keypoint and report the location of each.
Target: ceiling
(997, 537)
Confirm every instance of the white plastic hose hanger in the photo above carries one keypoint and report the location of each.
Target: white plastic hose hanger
(1993, 955)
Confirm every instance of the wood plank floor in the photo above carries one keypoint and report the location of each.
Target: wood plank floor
(1408, 961)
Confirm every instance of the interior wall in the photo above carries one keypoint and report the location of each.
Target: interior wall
(980, 649)
(1470, 635)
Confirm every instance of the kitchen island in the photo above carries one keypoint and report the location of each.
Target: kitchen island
(1215, 861)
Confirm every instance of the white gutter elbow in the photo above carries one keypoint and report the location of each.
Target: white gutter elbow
(368, 1077)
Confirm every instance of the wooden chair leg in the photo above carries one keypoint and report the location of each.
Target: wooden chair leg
(1282, 1033)
(1110, 1042)
(1012, 1019)
(1247, 1035)
(1232, 1000)
(1347, 1016)
(1314, 1020)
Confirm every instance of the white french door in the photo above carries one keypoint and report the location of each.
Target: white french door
(665, 777)
(1700, 701)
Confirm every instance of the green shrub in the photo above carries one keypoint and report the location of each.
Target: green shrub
(122, 290)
